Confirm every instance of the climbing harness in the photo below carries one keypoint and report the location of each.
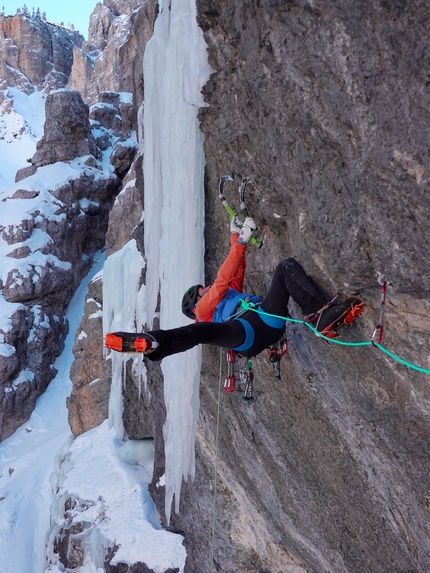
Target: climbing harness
(232, 213)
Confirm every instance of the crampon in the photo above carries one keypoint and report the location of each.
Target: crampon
(131, 343)
(347, 317)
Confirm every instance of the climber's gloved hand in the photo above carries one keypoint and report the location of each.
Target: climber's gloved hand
(234, 226)
(246, 231)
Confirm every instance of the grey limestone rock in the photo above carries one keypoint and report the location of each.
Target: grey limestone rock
(49, 62)
(122, 157)
(112, 58)
(24, 173)
(67, 132)
(90, 376)
(324, 106)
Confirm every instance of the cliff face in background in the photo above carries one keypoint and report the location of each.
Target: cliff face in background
(54, 218)
(111, 59)
(47, 65)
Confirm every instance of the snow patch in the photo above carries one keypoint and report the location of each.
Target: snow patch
(22, 118)
(112, 478)
(6, 350)
(24, 376)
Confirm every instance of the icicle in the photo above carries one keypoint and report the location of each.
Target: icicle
(123, 310)
(116, 403)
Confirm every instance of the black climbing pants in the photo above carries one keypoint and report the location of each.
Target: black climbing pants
(289, 279)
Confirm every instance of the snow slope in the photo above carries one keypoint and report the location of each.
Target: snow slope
(27, 461)
(22, 118)
(42, 458)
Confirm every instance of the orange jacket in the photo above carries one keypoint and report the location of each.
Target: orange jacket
(230, 275)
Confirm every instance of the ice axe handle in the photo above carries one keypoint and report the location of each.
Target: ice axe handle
(232, 213)
(257, 244)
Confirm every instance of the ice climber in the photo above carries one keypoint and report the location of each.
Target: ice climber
(216, 309)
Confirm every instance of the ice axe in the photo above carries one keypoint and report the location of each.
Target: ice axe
(232, 213)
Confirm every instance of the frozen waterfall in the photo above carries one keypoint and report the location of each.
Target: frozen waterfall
(175, 70)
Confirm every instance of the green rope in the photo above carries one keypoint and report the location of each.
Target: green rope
(250, 306)
(408, 364)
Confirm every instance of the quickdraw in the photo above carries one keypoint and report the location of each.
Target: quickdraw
(232, 213)
(230, 380)
(246, 377)
(276, 352)
(379, 328)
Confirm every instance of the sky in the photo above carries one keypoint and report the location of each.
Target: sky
(76, 12)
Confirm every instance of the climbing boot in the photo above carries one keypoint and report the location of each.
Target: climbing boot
(131, 343)
(332, 317)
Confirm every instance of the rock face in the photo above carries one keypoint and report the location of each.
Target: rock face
(328, 471)
(125, 219)
(90, 374)
(47, 65)
(67, 132)
(114, 120)
(111, 59)
(43, 276)
(322, 106)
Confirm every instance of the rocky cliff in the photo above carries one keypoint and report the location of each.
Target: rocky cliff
(111, 59)
(47, 64)
(54, 218)
(325, 106)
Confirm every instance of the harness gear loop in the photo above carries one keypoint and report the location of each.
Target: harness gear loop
(379, 329)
